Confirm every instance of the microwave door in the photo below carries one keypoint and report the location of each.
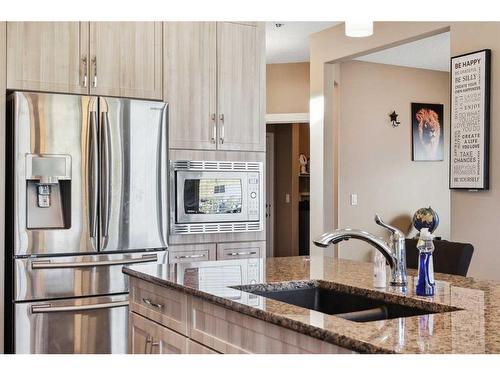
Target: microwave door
(53, 180)
(211, 197)
(133, 174)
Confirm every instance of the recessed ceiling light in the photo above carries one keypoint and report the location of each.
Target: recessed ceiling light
(358, 29)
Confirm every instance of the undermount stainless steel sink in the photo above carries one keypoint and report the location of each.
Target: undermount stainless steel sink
(342, 304)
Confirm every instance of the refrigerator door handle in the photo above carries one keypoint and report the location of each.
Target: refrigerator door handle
(49, 308)
(93, 177)
(105, 153)
(48, 264)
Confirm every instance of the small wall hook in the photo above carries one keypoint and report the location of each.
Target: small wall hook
(394, 119)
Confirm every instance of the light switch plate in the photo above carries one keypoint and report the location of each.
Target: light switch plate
(354, 199)
(287, 198)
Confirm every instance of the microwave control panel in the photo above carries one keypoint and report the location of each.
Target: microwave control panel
(253, 196)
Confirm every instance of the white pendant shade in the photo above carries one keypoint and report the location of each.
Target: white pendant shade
(358, 29)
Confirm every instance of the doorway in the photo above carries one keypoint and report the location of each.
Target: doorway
(288, 193)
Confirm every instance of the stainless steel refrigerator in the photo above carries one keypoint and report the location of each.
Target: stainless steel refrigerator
(86, 192)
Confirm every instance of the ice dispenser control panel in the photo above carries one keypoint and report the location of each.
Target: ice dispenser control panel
(48, 191)
(45, 171)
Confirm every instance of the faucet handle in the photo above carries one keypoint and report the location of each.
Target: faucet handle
(395, 231)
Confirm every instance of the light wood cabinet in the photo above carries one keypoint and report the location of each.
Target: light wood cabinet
(147, 337)
(48, 56)
(240, 82)
(214, 82)
(191, 253)
(194, 348)
(241, 250)
(163, 305)
(190, 83)
(126, 59)
(230, 332)
(98, 58)
(208, 328)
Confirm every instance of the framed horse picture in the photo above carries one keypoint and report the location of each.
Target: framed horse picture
(427, 132)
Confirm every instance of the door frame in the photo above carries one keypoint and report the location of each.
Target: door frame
(287, 118)
(270, 194)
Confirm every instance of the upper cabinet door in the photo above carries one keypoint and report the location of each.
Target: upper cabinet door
(190, 83)
(125, 59)
(241, 86)
(48, 56)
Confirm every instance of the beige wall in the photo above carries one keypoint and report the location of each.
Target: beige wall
(327, 46)
(375, 158)
(287, 88)
(475, 217)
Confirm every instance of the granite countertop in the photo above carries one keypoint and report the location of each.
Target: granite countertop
(472, 327)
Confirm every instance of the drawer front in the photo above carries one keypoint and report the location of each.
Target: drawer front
(191, 253)
(160, 304)
(76, 276)
(195, 348)
(147, 337)
(240, 250)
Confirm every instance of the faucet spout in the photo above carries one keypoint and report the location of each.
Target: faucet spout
(345, 234)
(394, 253)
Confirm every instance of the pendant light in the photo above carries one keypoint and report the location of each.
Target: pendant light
(358, 29)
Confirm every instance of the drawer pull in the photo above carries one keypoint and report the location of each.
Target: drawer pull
(151, 303)
(48, 264)
(239, 253)
(190, 256)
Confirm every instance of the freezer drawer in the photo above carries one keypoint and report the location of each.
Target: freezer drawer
(94, 325)
(76, 276)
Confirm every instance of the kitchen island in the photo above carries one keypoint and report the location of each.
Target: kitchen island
(464, 318)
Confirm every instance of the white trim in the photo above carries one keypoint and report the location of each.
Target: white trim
(270, 194)
(286, 118)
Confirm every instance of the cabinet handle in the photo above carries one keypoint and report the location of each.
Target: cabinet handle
(222, 133)
(214, 128)
(84, 63)
(239, 253)
(150, 303)
(94, 63)
(153, 344)
(190, 256)
(149, 340)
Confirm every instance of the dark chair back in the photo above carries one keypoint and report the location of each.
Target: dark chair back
(449, 257)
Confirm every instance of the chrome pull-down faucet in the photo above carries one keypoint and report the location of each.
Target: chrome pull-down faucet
(394, 252)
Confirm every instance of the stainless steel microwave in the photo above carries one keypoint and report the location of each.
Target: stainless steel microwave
(216, 196)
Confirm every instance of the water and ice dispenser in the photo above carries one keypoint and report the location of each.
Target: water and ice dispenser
(48, 191)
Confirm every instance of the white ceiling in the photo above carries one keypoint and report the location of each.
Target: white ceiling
(429, 53)
(290, 43)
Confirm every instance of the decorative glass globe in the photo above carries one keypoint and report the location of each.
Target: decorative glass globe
(425, 218)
